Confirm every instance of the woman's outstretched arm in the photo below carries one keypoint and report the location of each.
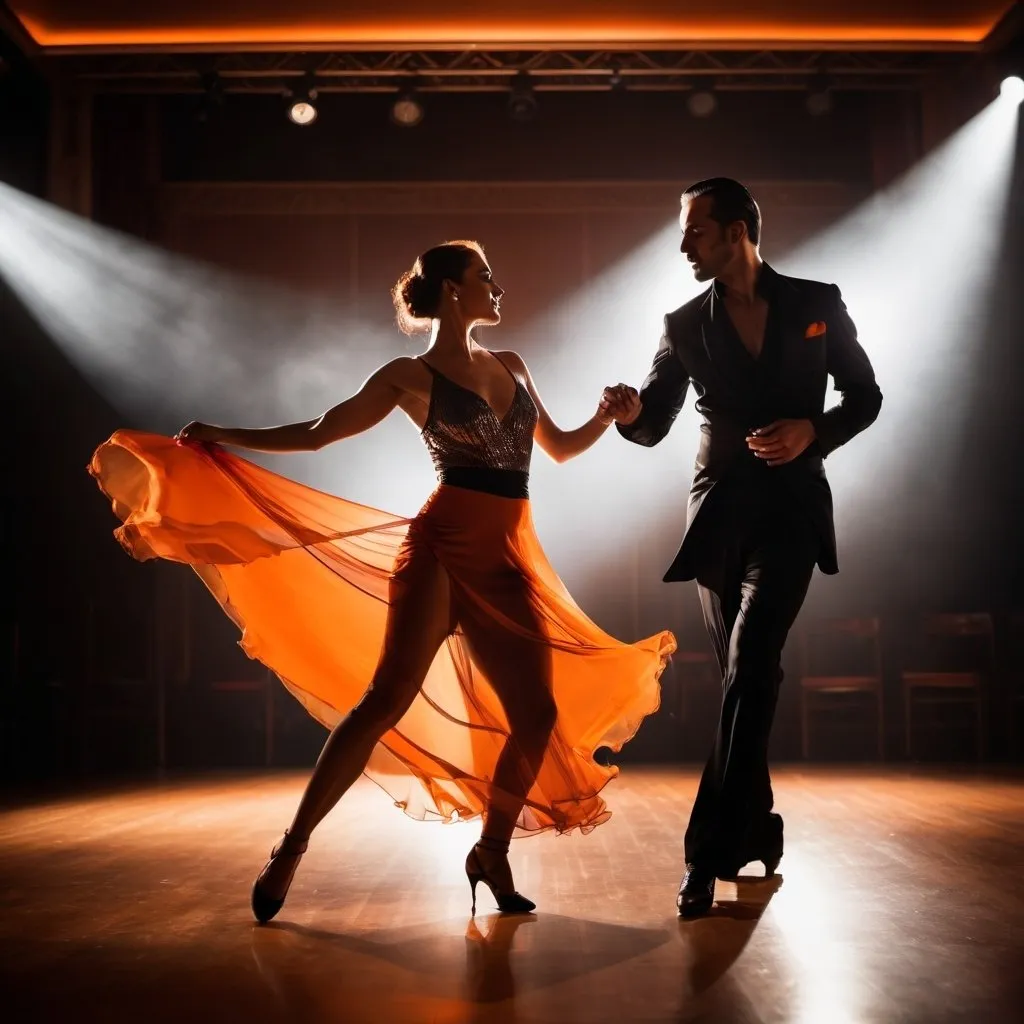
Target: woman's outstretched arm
(560, 444)
(377, 397)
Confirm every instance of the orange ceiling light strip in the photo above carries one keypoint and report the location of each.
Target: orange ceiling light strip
(495, 32)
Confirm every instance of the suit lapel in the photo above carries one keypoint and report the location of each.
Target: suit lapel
(791, 325)
(737, 371)
(719, 342)
(734, 367)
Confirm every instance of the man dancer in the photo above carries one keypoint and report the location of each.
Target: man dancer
(758, 348)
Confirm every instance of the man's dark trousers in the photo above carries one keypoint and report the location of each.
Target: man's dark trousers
(752, 579)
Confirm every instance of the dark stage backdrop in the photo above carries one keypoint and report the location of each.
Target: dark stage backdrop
(339, 211)
(546, 240)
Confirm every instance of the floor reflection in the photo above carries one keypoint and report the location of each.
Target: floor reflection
(714, 943)
(489, 942)
(493, 960)
(500, 965)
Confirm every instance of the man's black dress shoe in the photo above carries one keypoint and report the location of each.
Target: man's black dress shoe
(696, 892)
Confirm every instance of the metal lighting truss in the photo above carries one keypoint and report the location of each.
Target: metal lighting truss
(472, 70)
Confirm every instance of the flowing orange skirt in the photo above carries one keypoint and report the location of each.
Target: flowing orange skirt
(306, 577)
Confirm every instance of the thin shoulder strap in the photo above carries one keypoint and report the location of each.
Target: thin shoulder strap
(428, 366)
(503, 363)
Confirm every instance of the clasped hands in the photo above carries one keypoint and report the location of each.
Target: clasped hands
(619, 404)
(776, 444)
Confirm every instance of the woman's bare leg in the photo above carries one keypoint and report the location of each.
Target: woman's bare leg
(519, 669)
(418, 622)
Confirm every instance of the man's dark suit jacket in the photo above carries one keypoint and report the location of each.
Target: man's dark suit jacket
(809, 336)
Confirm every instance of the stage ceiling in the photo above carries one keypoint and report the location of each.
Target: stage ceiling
(60, 25)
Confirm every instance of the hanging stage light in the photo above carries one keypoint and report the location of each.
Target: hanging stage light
(818, 102)
(407, 110)
(819, 95)
(1012, 88)
(212, 99)
(300, 99)
(522, 101)
(702, 102)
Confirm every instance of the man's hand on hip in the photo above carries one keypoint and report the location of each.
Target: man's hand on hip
(782, 441)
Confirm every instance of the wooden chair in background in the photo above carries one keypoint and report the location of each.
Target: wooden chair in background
(958, 653)
(1011, 669)
(840, 656)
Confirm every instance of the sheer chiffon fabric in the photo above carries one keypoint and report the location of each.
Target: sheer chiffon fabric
(307, 578)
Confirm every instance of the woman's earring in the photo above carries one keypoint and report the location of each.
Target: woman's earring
(455, 296)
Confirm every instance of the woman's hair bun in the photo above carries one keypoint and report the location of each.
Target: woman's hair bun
(417, 293)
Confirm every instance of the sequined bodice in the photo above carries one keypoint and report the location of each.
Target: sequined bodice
(463, 430)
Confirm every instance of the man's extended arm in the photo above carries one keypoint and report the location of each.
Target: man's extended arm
(662, 395)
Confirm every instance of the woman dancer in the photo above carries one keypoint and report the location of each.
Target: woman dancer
(491, 689)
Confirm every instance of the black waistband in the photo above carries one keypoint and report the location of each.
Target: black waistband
(505, 483)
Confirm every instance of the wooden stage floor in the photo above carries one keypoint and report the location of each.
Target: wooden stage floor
(900, 900)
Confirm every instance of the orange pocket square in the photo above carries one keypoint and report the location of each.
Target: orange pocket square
(815, 330)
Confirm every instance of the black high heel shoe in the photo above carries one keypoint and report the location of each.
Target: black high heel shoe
(508, 902)
(265, 907)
